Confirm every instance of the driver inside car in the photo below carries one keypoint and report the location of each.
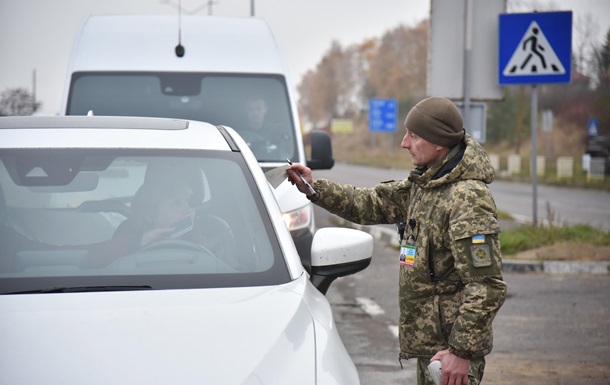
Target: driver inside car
(155, 210)
(256, 111)
(263, 130)
(164, 209)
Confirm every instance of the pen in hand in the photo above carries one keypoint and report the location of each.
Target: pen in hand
(311, 190)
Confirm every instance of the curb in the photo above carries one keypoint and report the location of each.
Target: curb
(387, 234)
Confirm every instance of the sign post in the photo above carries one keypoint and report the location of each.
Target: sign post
(535, 48)
(465, 69)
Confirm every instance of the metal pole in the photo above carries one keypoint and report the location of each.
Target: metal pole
(468, 9)
(534, 168)
(34, 87)
(252, 13)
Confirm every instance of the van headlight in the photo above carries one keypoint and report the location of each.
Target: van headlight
(298, 219)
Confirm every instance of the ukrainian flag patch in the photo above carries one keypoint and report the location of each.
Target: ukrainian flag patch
(478, 239)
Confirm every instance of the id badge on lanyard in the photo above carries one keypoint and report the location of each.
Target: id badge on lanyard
(408, 248)
(407, 253)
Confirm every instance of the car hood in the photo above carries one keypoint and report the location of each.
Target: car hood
(254, 335)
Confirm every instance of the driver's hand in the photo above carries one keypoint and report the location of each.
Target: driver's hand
(155, 235)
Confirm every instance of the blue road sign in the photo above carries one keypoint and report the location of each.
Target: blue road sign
(535, 48)
(592, 129)
(383, 114)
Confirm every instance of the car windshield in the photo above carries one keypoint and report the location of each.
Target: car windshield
(256, 106)
(133, 218)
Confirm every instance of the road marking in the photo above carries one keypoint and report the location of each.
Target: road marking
(369, 306)
(393, 330)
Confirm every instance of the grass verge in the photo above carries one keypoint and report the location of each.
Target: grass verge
(528, 237)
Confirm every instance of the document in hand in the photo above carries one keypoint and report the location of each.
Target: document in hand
(277, 175)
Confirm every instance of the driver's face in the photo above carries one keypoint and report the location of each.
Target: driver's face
(173, 208)
(256, 110)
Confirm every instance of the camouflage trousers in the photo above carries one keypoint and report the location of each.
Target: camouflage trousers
(475, 371)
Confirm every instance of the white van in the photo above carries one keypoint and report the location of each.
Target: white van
(203, 68)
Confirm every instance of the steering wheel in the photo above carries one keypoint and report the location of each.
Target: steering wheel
(220, 239)
(176, 244)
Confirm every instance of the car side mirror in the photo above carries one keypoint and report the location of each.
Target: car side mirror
(338, 252)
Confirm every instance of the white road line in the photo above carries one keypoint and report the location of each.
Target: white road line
(393, 330)
(369, 306)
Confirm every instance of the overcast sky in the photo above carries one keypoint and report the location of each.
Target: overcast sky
(38, 34)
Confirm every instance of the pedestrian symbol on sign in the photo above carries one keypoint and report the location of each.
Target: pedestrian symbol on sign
(534, 56)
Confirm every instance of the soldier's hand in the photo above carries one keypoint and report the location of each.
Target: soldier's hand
(294, 178)
(454, 370)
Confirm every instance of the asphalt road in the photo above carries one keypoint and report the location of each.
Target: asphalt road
(552, 329)
(562, 205)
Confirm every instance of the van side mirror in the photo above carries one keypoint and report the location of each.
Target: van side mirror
(321, 151)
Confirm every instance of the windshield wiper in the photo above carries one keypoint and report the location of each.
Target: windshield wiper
(81, 289)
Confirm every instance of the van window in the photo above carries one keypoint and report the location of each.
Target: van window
(256, 106)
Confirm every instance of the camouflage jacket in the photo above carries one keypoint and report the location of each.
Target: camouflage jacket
(451, 284)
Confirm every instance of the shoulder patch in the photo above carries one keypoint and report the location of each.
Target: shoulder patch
(481, 256)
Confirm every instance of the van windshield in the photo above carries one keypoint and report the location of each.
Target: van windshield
(256, 106)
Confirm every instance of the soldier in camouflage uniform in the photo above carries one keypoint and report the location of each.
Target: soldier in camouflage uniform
(451, 284)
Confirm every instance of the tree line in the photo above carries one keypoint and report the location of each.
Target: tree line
(394, 66)
(18, 102)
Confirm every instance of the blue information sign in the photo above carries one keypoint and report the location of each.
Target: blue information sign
(592, 129)
(383, 114)
(535, 48)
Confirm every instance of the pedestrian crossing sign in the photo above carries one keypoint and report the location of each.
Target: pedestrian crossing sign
(535, 48)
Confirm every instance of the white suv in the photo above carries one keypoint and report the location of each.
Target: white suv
(153, 251)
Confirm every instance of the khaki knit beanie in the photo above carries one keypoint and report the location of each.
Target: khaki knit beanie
(437, 120)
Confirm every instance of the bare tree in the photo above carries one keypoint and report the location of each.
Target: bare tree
(319, 89)
(343, 81)
(334, 88)
(600, 62)
(398, 69)
(585, 44)
(17, 102)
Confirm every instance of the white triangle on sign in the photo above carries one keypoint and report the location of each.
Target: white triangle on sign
(534, 56)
